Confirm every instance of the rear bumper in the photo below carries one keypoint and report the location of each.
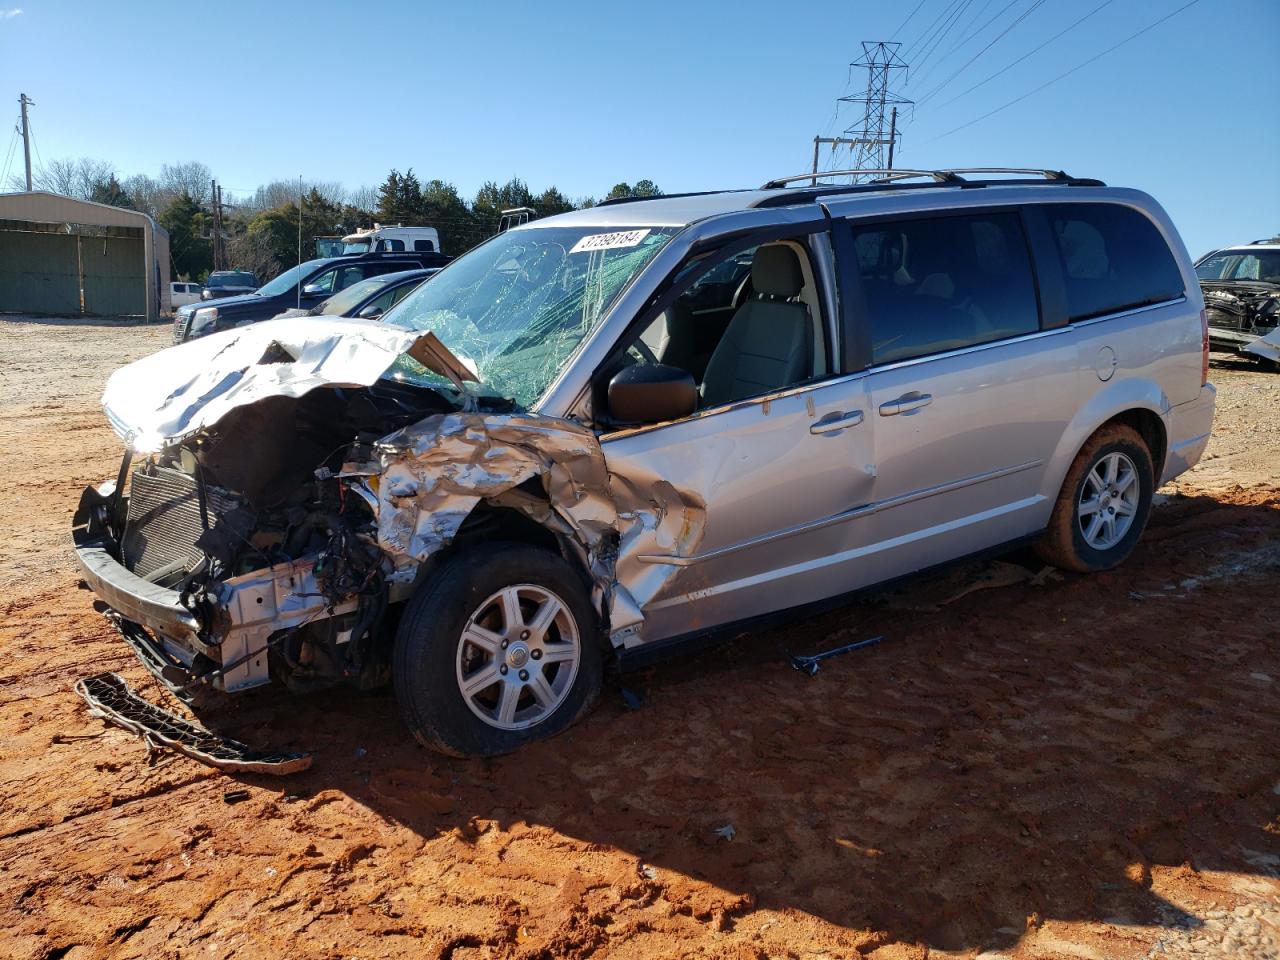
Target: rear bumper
(1189, 427)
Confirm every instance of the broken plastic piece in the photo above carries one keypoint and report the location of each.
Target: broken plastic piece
(809, 665)
(110, 698)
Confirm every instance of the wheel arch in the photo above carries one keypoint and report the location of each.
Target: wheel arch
(1137, 403)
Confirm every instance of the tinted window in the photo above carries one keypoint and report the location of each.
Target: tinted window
(424, 246)
(1113, 258)
(943, 283)
(395, 246)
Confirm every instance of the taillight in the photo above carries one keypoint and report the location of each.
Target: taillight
(1204, 348)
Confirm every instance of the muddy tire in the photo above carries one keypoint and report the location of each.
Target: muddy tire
(1104, 503)
(497, 648)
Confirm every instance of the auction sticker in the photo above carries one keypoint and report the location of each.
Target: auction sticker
(609, 241)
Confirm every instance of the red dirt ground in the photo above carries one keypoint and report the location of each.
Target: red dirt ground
(1065, 767)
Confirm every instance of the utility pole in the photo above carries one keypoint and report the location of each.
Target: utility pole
(222, 240)
(25, 102)
(299, 237)
(836, 143)
(215, 200)
(879, 127)
(893, 136)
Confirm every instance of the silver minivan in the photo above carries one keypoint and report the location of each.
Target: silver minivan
(607, 432)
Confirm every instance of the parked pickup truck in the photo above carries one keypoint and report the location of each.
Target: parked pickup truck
(305, 286)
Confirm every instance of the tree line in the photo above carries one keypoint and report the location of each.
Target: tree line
(260, 230)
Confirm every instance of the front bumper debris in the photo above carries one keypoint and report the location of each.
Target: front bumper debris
(110, 698)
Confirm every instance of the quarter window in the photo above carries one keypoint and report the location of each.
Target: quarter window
(1113, 258)
(943, 283)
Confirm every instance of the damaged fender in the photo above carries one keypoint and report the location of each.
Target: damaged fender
(1268, 347)
(435, 472)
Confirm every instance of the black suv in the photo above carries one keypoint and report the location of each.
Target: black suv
(304, 286)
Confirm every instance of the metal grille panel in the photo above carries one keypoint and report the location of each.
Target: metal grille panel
(164, 519)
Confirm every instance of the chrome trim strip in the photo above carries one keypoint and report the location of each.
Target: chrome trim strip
(977, 347)
(1128, 313)
(853, 514)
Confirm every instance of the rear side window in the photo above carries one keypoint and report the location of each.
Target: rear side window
(424, 246)
(943, 283)
(1113, 258)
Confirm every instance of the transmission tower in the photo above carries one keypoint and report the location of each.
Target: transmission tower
(872, 141)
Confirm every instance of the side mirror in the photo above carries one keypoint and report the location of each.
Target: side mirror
(652, 393)
(312, 290)
(371, 312)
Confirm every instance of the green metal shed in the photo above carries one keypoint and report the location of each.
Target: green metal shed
(63, 256)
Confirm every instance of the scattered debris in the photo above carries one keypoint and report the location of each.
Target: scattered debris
(235, 796)
(727, 832)
(110, 698)
(809, 664)
(630, 699)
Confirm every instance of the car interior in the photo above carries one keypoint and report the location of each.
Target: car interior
(943, 284)
(744, 327)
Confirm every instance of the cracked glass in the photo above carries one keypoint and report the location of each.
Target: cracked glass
(515, 309)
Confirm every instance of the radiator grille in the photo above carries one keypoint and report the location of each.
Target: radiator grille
(180, 323)
(164, 519)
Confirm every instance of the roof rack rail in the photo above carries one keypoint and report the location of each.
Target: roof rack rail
(882, 176)
(891, 180)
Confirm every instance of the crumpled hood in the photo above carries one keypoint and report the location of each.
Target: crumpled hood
(175, 393)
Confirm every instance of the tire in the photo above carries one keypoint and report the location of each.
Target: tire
(1081, 541)
(459, 628)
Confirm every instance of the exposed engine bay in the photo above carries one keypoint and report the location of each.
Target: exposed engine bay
(262, 491)
(1244, 317)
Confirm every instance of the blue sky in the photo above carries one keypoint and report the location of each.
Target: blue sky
(693, 95)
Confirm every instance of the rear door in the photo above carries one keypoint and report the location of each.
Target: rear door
(969, 389)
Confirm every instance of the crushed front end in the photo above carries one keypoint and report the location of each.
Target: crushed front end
(244, 552)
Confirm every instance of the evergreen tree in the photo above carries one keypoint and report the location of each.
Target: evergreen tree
(188, 246)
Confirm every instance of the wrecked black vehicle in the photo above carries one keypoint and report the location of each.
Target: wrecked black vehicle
(1241, 287)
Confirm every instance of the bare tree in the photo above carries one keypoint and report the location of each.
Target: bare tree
(68, 177)
(147, 193)
(363, 198)
(192, 177)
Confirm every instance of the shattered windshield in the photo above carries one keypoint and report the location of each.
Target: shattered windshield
(1242, 265)
(515, 308)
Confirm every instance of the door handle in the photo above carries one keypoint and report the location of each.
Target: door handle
(836, 421)
(905, 403)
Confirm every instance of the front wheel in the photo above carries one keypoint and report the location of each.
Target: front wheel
(1103, 507)
(499, 647)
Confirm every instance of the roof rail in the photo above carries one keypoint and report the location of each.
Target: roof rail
(888, 180)
(663, 196)
(882, 176)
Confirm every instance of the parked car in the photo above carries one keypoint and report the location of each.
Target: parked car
(392, 240)
(302, 287)
(181, 293)
(368, 299)
(1241, 287)
(228, 283)
(532, 465)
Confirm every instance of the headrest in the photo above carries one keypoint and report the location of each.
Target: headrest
(775, 271)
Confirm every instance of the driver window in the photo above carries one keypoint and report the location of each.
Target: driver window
(743, 327)
(321, 285)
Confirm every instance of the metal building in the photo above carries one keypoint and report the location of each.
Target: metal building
(69, 257)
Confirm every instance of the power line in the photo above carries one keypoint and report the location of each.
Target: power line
(937, 41)
(1035, 50)
(928, 32)
(973, 33)
(998, 37)
(1064, 75)
(901, 26)
(8, 156)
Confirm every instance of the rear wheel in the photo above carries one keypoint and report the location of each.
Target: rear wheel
(497, 649)
(1104, 503)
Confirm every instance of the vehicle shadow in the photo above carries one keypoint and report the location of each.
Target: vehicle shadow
(1020, 754)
